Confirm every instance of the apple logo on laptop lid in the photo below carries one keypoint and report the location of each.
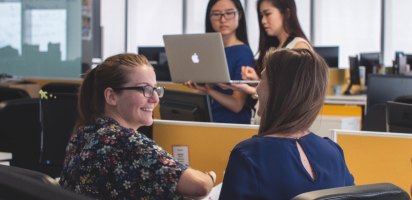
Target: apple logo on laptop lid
(195, 58)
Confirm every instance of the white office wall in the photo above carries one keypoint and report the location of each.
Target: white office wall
(252, 24)
(112, 20)
(303, 7)
(150, 20)
(353, 25)
(398, 30)
(196, 13)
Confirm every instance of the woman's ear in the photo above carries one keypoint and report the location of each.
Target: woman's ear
(110, 96)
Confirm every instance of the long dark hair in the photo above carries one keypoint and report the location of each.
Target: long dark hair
(290, 22)
(113, 72)
(241, 31)
(296, 80)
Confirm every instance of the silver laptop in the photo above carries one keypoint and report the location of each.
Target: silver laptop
(199, 58)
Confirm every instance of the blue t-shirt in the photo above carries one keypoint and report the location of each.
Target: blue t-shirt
(236, 56)
(270, 168)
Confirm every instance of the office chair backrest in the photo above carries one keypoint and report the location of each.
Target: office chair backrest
(35, 175)
(57, 87)
(8, 93)
(404, 99)
(20, 131)
(380, 191)
(18, 183)
(399, 117)
(57, 118)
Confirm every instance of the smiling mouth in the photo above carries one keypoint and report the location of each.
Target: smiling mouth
(147, 109)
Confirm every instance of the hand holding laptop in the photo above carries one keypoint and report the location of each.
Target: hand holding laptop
(249, 73)
(200, 58)
(197, 86)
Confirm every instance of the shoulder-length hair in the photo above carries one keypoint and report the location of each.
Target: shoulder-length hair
(290, 23)
(297, 80)
(241, 31)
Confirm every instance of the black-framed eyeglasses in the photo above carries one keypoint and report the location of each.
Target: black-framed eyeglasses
(218, 15)
(146, 89)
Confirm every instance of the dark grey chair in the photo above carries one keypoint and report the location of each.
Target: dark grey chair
(8, 93)
(20, 132)
(379, 191)
(17, 183)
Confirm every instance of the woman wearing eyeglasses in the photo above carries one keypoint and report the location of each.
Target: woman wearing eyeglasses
(107, 158)
(228, 18)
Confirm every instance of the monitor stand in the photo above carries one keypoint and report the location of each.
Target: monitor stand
(348, 92)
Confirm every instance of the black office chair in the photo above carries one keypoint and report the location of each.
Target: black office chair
(404, 99)
(9, 93)
(57, 118)
(20, 132)
(399, 117)
(380, 191)
(35, 175)
(17, 183)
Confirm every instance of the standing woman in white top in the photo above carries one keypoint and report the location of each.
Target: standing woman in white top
(279, 28)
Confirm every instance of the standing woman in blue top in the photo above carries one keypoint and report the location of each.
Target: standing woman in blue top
(286, 159)
(228, 18)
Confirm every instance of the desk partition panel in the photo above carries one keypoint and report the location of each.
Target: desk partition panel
(374, 157)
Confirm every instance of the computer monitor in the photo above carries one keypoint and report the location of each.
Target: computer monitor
(185, 106)
(370, 61)
(354, 73)
(383, 88)
(400, 63)
(409, 59)
(157, 57)
(330, 54)
(399, 117)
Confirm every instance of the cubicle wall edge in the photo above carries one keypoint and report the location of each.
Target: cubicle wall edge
(374, 157)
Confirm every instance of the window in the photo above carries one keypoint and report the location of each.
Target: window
(398, 30)
(40, 39)
(352, 25)
(148, 21)
(195, 18)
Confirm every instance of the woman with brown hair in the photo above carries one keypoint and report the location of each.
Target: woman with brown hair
(107, 158)
(285, 158)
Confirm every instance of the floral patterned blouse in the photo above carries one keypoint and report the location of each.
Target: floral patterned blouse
(107, 161)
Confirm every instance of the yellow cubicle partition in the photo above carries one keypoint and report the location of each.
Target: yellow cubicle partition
(374, 157)
(208, 144)
(341, 110)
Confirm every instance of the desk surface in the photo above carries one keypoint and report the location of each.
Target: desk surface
(5, 156)
(346, 99)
